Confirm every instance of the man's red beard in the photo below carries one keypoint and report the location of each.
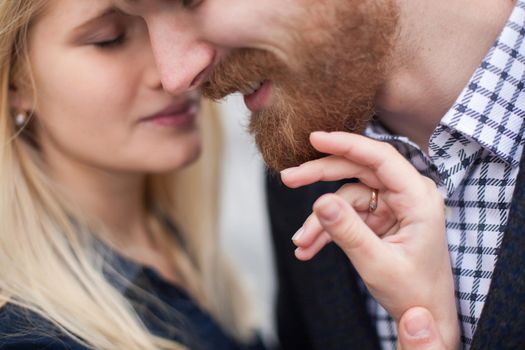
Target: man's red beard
(338, 67)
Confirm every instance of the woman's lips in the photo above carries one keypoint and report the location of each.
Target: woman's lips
(175, 116)
(259, 99)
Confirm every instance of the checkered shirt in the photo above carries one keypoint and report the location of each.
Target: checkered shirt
(474, 156)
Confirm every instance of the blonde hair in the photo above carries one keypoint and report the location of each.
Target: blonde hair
(48, 263)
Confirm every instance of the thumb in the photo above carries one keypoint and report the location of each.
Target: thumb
(362, 246)
(417, 331)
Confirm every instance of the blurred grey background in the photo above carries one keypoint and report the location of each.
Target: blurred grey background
(244, 226)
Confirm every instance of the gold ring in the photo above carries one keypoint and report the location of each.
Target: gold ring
(372, 204)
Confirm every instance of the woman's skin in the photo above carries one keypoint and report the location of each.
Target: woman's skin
(102, 118)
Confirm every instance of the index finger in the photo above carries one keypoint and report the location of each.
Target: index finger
(390, 167)
(331, 168)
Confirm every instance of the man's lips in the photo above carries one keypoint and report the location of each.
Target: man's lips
(176, 115)
(258, 99)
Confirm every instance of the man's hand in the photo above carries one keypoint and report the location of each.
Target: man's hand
(399, 249)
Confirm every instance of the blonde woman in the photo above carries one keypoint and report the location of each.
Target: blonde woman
(105, 241)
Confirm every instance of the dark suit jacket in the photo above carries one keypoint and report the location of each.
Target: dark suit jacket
(320, 306)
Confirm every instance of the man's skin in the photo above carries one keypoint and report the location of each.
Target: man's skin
(438, 47)
(188, 42)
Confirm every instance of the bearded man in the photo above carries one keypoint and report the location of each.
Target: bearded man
(442, 81)
(308, 90)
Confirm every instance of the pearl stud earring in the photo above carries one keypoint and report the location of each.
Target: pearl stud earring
(20, 119)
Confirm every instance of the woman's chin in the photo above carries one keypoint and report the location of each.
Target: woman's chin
(170, 164)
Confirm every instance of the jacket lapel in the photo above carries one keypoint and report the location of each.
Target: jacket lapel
(502, 322)
(320, 304)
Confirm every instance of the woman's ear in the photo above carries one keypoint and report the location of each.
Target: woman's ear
(20, 99)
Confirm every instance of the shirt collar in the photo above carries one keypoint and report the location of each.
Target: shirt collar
(491, 108)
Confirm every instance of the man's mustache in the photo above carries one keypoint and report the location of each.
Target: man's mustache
(239, 72)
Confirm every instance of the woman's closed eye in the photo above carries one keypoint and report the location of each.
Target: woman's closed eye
(191, 3)
(111, 42)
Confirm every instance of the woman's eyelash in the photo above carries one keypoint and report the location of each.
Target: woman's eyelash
(191, 3)
(111, 42)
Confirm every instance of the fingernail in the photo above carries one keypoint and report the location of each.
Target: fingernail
(289, 171)
(319, 133)
(418, 326)
(298, 234)
(329, 211)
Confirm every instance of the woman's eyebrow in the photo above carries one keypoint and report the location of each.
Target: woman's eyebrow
(110, 11)
(138, 2)
(138, 6)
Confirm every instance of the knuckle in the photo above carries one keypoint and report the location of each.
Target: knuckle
(348, 235)
(433, 193)
(352, 187)
(354, 193)
(428, 189)
(429, 183)
(346, 187)
(388, 148)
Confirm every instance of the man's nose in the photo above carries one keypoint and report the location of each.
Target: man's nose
(183, 62)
